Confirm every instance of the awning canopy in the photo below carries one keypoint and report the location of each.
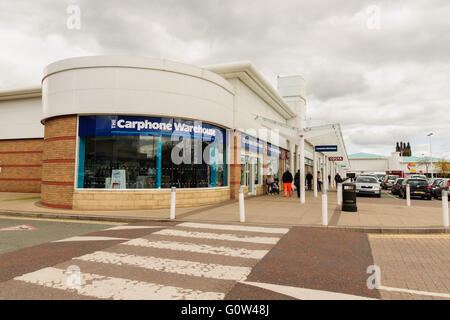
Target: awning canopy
(324, 135)
(329, 135)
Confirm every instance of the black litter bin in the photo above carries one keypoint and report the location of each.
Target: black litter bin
(349, 197)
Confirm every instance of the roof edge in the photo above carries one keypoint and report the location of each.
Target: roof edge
(247, 67)
(25, 93)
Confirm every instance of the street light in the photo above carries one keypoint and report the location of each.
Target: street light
(431, 155)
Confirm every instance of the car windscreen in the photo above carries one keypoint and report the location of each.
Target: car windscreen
(366, 180)
(417, 182)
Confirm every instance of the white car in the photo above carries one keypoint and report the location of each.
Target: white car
(368, 185)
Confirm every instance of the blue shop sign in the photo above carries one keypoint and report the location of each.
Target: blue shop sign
(273, 150)
(137, 126)
(251, 143)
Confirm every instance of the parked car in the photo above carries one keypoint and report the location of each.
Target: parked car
(368, 185)
(417, 176)
(434, 185)
(396, 186)
(444, 184)
(389, 181)
(418, 188)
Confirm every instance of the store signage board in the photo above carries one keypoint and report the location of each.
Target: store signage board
(326, 148)
(273, 150)
(157, 126)
(339, 158)
(252, 143)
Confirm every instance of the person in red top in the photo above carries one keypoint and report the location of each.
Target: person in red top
(287, 182)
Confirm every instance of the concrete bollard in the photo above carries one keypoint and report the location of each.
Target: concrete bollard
(172, 202)
(324, 207)
(408, 195)
(241, 205)
(445, 221)
(339, 194)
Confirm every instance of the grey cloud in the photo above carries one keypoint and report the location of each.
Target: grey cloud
(379, 84)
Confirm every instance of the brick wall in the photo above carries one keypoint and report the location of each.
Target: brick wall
(149, 199)
(58, 167)
(21, 165)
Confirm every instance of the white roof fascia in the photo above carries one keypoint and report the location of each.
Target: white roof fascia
(247, 73)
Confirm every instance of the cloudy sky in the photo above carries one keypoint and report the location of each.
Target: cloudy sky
(380, 68)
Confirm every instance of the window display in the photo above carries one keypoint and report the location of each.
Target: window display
(118, 152)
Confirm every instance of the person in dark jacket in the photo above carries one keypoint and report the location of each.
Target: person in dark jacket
(338, 178)
(297, 182)
(287, 182)
(309, 178)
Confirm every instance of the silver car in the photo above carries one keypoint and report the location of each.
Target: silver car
(368, 185)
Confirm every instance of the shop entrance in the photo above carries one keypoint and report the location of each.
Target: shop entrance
(249, 173)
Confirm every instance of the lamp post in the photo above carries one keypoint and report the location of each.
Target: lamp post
(431, 155)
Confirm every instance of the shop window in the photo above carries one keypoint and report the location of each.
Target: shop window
(145, 161)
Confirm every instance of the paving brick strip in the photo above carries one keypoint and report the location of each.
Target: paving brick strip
(317, 259)
(363, 229)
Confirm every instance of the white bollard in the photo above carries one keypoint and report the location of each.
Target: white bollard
(324, 207)
(408, 195)
(241, 205)
(445, 208)
(339, 194)
(172, 203)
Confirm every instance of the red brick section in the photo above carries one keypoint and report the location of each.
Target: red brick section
(21, 165)
(235, 166)
(58, 167)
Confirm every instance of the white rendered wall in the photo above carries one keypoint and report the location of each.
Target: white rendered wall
(247, 106)
(369, 165)
(136, 86)
(21, 119)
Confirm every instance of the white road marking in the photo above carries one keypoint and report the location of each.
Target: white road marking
(89, 238)
(422, 293)
(134, 227)
(306, 294)
(184, 267)
(216, 236)
(233, 227)
(198, 248)
(98, 286)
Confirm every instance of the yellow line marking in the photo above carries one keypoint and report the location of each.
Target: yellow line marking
(63, 220)
(410, 236)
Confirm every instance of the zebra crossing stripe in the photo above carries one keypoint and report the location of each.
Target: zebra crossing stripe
(98, 286)
(216, 236)
(133, 227)
(233, 227)
(198, 248)
(90, 238)
(184, 267)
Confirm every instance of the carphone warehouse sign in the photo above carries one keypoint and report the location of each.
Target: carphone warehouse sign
(136, 126)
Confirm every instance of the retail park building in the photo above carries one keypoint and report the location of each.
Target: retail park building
(102, 132)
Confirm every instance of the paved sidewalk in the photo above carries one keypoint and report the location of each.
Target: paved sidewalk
(377, 213)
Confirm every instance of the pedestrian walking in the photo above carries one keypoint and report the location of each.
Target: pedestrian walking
(270, 181)
(287, 182)
(309, 178)
(338, 178)
(297, 182)
(319, 181)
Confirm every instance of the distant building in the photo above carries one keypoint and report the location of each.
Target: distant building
(395, 163)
